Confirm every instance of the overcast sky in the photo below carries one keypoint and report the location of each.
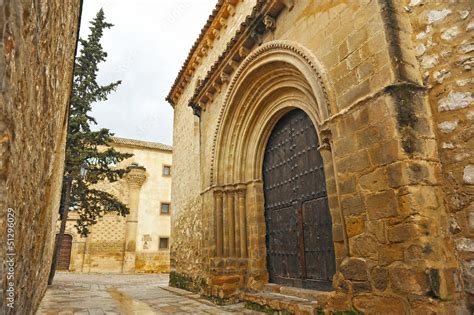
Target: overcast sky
(146, 48)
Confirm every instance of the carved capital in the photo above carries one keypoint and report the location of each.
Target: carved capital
(136, 175)
(241, 190)
(218, 192)
(325, 140)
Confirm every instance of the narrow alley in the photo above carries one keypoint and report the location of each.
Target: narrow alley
(144, 294)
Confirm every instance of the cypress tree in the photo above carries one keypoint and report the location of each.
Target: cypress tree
(87, 149)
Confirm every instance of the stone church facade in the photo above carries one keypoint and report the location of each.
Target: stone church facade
(323, 150)
(139, 242)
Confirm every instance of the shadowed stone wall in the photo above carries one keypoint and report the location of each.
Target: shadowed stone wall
(37, 54)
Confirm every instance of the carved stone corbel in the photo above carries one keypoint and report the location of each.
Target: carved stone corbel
(215, 32)
(224, 77)
(256, 37)
(269, 22)
(231, 9)
(223, 22)
(243, 52)
(196, 110)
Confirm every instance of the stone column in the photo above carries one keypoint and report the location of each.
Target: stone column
(243, 221)
(86, 260)
(218, 222)
(225, 224)
(135, 179)
(231, 222)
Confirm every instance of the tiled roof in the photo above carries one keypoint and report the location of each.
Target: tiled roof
(195, 46)
(143, 144)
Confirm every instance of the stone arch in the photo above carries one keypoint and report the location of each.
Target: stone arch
(263, 77)
(277, 73)
(276, 78)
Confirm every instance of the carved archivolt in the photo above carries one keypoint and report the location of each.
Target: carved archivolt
(299, 70)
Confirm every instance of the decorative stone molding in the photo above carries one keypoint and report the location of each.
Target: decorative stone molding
(270, 23)
(283, 47)
(224, 77)
(249, 31)
(210, 32)
(231, 9)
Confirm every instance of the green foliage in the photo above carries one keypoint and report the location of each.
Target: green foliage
(82, 148)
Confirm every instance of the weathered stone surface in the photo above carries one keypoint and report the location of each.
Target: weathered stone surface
(447, 34)
(382, 205)
(404, 232)
(468, 175)
(354, 225)
(37, 54)
(354, 269)
(364, 245)
(380, 278)
(379, 305)
(388, 68)
(410, 281)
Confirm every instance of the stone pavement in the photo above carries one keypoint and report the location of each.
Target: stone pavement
(144, 294)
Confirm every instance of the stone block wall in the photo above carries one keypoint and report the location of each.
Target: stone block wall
(38, 43)
(385, 171)
(443, 35)
(106, 245)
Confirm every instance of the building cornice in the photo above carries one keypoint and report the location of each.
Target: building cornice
(140, 144)
(248, 34)
(215, 23)
(261, 20)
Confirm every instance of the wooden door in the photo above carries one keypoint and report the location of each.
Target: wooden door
(300, 250)
(65, 253)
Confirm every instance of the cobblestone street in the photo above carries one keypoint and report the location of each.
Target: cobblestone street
(145, 294)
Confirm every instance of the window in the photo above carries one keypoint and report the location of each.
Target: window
(165, 208)
(164, 243)
(166, 170)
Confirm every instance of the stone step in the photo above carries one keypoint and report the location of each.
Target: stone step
(279, 303)
(322, 297)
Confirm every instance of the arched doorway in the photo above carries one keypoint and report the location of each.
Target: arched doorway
(300, 250)
(65, 253)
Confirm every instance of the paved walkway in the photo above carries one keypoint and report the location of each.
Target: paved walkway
(146, 294)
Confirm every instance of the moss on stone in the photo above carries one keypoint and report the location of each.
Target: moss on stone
(265, 308)
(220, 301)
(186, 282)
(350, 312)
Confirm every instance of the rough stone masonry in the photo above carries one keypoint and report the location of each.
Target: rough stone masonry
(387, 85)
(37, 56)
